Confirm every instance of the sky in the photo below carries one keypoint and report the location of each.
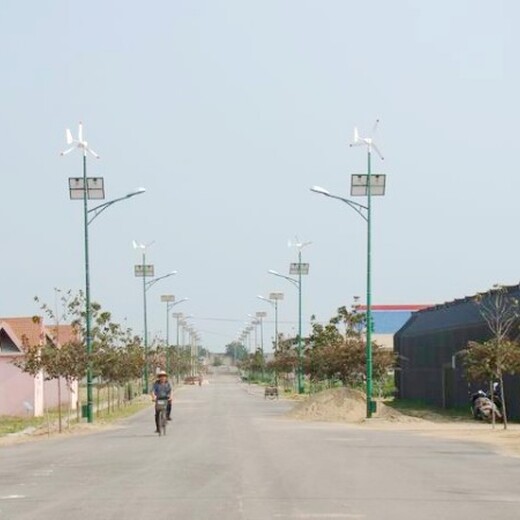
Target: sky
(227, 112)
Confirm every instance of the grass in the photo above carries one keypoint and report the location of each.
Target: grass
(10, 424)
(422, 410)
(125, 411)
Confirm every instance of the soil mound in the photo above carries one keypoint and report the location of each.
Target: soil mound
(343, 405)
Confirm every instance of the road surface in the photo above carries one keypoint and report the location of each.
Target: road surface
(231, 455)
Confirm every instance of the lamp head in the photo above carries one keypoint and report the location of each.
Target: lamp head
(319, 189)
(137, 191)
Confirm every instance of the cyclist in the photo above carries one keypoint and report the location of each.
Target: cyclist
(162, 390)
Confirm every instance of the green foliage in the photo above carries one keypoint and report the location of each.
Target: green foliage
(337, 351)
(236, 350)
(117, 356)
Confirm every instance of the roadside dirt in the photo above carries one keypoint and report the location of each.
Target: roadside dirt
(349, 406)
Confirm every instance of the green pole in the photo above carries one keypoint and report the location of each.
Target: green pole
(88, 316)
(276, 337)
(177, 331)
(262, 346)
(167, 324)
(369, 293)
(145, 371)
(300, 374)
(168, 354)
(276, 325)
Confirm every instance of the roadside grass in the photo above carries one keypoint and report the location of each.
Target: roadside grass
(415, 408)
(138, 404)
(10, 425)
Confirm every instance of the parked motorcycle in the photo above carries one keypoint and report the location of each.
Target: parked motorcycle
(483, 406)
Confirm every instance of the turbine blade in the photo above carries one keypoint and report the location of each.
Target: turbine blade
(92, 152)
(356, 134)
(374, 128)
(374, 146)
(68, 136)
(80, 132)
(68, 151)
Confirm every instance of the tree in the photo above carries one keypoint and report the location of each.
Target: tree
(285, 359)
(236, 350)
(337, 350)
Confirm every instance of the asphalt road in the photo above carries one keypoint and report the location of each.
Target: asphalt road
(229, 454)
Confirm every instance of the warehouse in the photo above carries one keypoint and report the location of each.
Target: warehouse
(428, 347)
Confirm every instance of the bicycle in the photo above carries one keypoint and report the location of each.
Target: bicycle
(160, 406)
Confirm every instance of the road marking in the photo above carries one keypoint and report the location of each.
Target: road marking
(344, 439)
(10, 497)
(321, 515)
(42, 472)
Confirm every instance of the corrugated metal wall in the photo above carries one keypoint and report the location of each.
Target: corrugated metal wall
(427, 347)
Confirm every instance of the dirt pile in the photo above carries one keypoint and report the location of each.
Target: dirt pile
(343, 405)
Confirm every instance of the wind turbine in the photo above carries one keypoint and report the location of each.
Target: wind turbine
(138, 245)
(298, 244)
(78, 143)
(367, 141)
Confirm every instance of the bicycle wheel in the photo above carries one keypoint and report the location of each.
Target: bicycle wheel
(163, 422)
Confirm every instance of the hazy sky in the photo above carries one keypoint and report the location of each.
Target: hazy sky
(227, 111)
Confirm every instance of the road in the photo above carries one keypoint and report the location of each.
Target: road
(231, 455)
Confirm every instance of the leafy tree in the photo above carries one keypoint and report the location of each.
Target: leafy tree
(337, 350)
(236, 350)
(285, 359)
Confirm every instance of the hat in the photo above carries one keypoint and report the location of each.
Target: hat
(162, 373)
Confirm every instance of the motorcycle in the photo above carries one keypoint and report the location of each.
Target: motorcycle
(484, 406)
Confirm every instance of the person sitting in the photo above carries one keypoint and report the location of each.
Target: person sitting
(162, 389)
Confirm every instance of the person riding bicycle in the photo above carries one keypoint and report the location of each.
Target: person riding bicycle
(162, 389)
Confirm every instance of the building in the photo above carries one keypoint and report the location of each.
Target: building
(388, 319)
(21, 393)
(428, 346)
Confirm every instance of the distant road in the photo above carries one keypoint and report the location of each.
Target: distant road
(230, 455)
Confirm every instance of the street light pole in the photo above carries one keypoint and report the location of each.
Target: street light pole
(88, 188)
(365, 185)
(298, 268)
(170, 304)
(368, 346)
(145, 322)
(300, 354)
(273, 299)
(145, 270)
(88, 313)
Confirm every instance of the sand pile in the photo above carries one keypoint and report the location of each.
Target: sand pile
(343, 405)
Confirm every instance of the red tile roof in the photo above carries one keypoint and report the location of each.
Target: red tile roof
(27, 329)
(61, 334)
(402, 307)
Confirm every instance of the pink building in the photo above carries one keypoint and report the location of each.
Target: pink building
(21, 393)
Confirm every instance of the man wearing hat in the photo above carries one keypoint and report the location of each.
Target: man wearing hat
(162, 390)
